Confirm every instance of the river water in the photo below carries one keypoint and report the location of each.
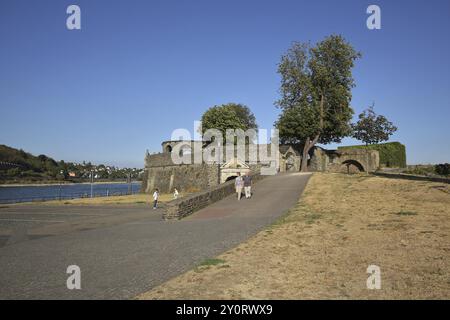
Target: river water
(15, 194)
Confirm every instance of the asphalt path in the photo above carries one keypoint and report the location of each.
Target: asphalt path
(123, 251)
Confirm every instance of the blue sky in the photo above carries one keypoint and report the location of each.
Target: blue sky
(139, 69)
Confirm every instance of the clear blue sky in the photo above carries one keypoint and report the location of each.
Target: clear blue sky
(139, 69)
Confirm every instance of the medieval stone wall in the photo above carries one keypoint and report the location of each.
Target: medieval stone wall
(162, 173)
(347, 160)
(183, 177)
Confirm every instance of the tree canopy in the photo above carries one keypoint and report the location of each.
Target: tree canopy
(372, 128)
(316, 83)
(228, 116)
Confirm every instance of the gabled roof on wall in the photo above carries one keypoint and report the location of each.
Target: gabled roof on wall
(285, 148)
(234, 164)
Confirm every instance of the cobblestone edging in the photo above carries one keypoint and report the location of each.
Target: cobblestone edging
(183, 207)
(412, 177)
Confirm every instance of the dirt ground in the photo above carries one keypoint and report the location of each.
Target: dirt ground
(322, 248)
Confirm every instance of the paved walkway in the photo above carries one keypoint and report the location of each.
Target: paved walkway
(124, 256)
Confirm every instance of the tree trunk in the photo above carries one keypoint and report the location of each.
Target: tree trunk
(308, 145)
(304, 166)
(311, 143)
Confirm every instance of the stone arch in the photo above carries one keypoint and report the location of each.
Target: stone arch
(352, 164)
(168, 148)
(185, 150)
(232, 169)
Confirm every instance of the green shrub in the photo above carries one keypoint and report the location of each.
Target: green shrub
(392, 154)
(422, 170)
(442, 169)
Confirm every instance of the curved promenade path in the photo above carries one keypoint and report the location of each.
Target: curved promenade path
(123, 251)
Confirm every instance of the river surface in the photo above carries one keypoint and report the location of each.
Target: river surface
(15, 194)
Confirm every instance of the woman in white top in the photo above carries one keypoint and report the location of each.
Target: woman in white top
(155, 198)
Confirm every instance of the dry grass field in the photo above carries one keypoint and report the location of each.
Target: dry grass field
(138, 198)
(322, 247)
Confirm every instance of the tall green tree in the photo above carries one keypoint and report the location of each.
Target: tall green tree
(372, 128)
(228, 116)
(316, 83)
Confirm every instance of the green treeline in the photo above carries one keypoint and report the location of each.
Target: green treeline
(20, 166)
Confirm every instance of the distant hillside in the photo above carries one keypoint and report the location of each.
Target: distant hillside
(18, 166)
(23, 161)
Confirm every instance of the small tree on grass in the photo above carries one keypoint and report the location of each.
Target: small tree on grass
(372, 128)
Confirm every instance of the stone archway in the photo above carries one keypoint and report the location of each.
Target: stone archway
(185, 150)
(352, 166)
(232, 169)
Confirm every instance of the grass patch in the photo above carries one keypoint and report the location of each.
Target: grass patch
(406, 213)
(301, 212)
(283, 218)
(312, 217)
(208, 263)
(211, 262)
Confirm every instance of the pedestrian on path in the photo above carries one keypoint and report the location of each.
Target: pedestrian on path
(155, 198)
(175, 194)
(248, 185)
(239, 184)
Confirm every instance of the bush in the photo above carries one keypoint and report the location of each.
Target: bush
(421, 170)
(442, 169)
(392, 154)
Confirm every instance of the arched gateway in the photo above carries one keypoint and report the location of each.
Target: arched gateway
(232, 169)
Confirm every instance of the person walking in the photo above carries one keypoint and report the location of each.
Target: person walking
(239, 183)
(155, 198)
(248, 185)
(175, 194)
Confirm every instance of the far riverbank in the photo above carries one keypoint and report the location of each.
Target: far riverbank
(28, 193)
(61, 183)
